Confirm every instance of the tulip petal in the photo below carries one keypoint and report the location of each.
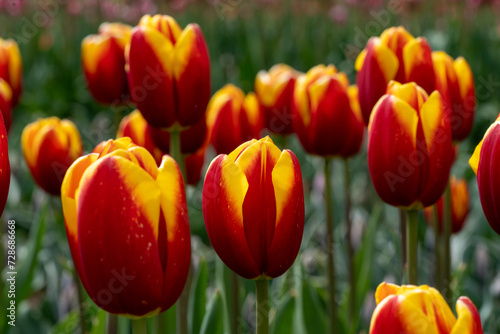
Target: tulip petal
(418, 64)
(468, 321)
(224, 191)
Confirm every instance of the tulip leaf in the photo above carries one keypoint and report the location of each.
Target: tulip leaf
(198, 298)
(314, 312)
(213, 322)
(283, 323)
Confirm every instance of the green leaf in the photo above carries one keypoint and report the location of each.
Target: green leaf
(314, 313)
(213, 323)
(283, 324)
(198, 298)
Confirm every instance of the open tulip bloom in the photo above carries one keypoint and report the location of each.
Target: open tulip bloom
(128, 230)
(421, 309)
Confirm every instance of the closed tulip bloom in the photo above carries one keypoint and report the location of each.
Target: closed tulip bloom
(274, 89)
(169, 72)
(128, 230)
(103, 60)
(415, 310)
(4, 166)
(395, 55)
(455, 82)
(409, 146)
(324, 117)
(253, 205)
(485, 162)
(233, 118)
(6, 103)
(50, 146)
(137, 129)
(459, 206)
(11, 68)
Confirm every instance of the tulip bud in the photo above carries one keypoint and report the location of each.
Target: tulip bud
(324, 117)
(274, 89)
(409, 146)
(485, 163)
(6, 103)
(11, 68)
(253, 205)
(395, 55)
(50, 146)
(411, 309)
(103, 60)
(459, 206)
(455, 82)
(169, 72)
(4, 166)
(137, 129)
(233, 118)
(128, 230)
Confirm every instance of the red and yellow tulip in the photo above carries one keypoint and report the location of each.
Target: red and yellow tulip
(485, 162)
(11, 68)
(169, 72)
(253, 205)
(325, 113)
(128, 229)
(50, 146)
(415, 310)
(233, 118)
(4, 166)
(459, 206)
(274, 89)
(409, 146)
(103, 60)
(455, 82)
(137, 129)
(395, 55)
(6, 103)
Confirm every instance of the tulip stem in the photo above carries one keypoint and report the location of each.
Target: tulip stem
(176, 152)
(412, 247)
(140, 326)
(350, 248)
(437, 248)
(235, 302)
(402, 231)
(81, 308)
(262, 310)
(332, 307)
(446, 244)
(112, 324)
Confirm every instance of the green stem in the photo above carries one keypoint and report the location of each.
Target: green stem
(412, 247)
(332, 307)
(79, 294)
(235, 302)
(350, 247)
(402, 231)
(176, 153)
(112, 324)
(446, 244)
(161, 320)
(261, 286)
(437, 249)
(140, 326)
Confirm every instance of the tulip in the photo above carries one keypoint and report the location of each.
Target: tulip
(137, 129)
(128, 230)
(233, 118)
(421, 309)
(4, 166)
(169, 72)
(395, 55)
(11, 67)
(50, 146)
(455, 82)
(274, 89)
(459, 206)
(325, 117)
(484, 163)
(6, 103)
(103, 60)
(409, 146)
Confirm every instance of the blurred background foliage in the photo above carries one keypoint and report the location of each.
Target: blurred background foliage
(244, 37)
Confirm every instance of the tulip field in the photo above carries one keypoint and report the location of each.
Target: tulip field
(240, 167)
